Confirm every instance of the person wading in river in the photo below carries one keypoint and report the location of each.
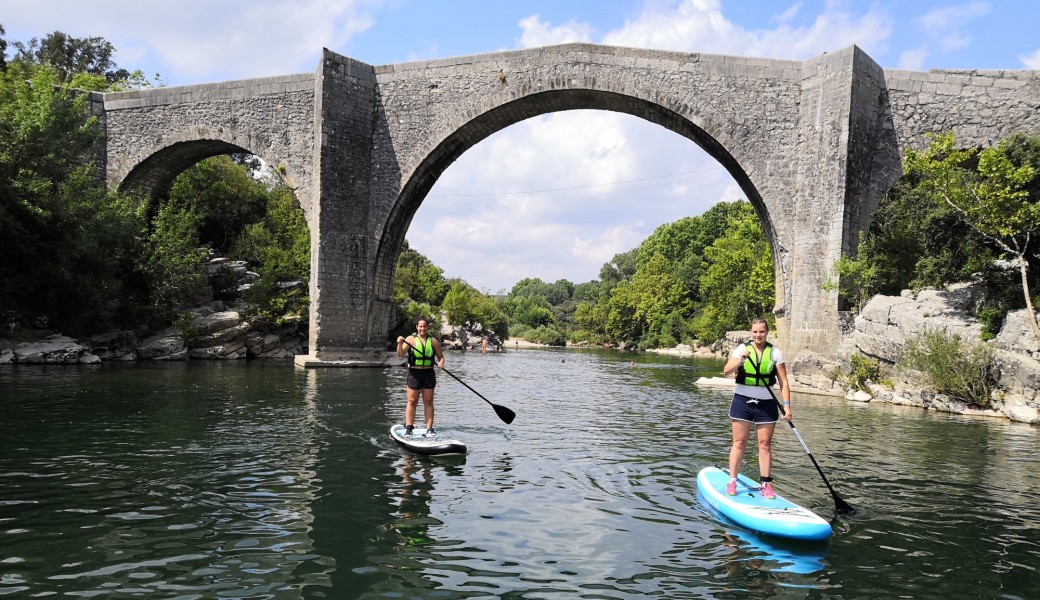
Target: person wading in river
(757, 365)
(421, 377)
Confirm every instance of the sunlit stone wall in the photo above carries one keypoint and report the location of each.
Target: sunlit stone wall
(813, 144)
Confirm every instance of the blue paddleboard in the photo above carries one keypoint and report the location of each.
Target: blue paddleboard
(777, 516)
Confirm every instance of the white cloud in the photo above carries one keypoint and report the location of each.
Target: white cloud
(536, 32)
(913, 60)
(560, 195)
(1030, 61)
(945, 27)
(788, 14)
(700, 26)
(200, 40)
(596, 251)
(266, 37)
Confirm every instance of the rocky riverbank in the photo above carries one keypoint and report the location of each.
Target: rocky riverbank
(216, 333)
(214, 330)
(881, 331)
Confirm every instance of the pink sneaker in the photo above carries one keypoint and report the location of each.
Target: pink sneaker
(767, 491)
(731, 489)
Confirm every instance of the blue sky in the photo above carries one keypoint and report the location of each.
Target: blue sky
(558, 195)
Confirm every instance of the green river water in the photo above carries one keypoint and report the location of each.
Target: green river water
(261, 480)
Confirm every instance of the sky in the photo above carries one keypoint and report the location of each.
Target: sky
(555, 196)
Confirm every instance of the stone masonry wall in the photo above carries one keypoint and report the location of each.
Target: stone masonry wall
(154, 134)
(980, 107)
(813, 145)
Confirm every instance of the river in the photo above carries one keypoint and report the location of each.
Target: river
(260, 480)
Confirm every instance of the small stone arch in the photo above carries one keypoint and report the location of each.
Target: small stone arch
(151, 177)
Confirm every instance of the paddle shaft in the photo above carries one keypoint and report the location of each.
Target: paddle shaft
(840, 505)
(503, 413)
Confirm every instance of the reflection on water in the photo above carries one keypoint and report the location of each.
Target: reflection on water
(260, 480)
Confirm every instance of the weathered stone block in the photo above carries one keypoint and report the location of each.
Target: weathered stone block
(163, 345)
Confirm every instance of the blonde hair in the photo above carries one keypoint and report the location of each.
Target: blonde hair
(760, 320)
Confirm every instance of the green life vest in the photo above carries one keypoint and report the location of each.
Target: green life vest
(421, 354)
(762, 373)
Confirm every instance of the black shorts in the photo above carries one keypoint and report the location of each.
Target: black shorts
(421, 379)
(760, 412)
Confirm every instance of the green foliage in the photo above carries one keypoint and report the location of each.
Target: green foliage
(854, 278)
(554, 293)
(992, 319)
(639, 308)
(67, 244)
(954, 367)
(273, 304)
(620, 268)
(655, 295)
(185, 326)
(457, 306)
(862, 371)
(489, 314)
(90, 259)
(70, 56)
(174, 262)
(994, 199)
(224, 196)
(279, 250)
(592, 317)
(418, 279)
(3, 49)
(529, 311)
(413, 311)
(738, 284)
(279, 243)
(543, 334)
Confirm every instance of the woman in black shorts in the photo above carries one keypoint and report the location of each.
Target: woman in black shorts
(757, 365)
(423, 351)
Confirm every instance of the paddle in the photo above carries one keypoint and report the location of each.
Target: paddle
(840, 505)
(503, 413)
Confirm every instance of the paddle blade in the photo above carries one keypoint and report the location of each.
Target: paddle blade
(504, 413)
(843, 507)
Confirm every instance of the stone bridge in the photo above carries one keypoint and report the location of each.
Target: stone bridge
(813, 144)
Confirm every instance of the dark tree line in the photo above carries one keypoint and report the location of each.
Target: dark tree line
(84, 259)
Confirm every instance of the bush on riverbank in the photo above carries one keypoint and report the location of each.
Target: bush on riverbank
(952, 366)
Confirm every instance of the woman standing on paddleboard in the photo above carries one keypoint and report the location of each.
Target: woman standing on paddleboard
(421, 349)
(757, 365)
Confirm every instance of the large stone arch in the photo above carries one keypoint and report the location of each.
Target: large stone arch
(743, 112)
(458, 138)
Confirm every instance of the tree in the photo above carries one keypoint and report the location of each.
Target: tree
(855, 277)
(69, 55)
(457, 305)
(174, 262)
(67, 243)
(224, 196)
(419, 279)
(994, 200)
(738, 284)
(620, 268)
(3, 49)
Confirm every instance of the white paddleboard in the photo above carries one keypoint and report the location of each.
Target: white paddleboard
(421, 442)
